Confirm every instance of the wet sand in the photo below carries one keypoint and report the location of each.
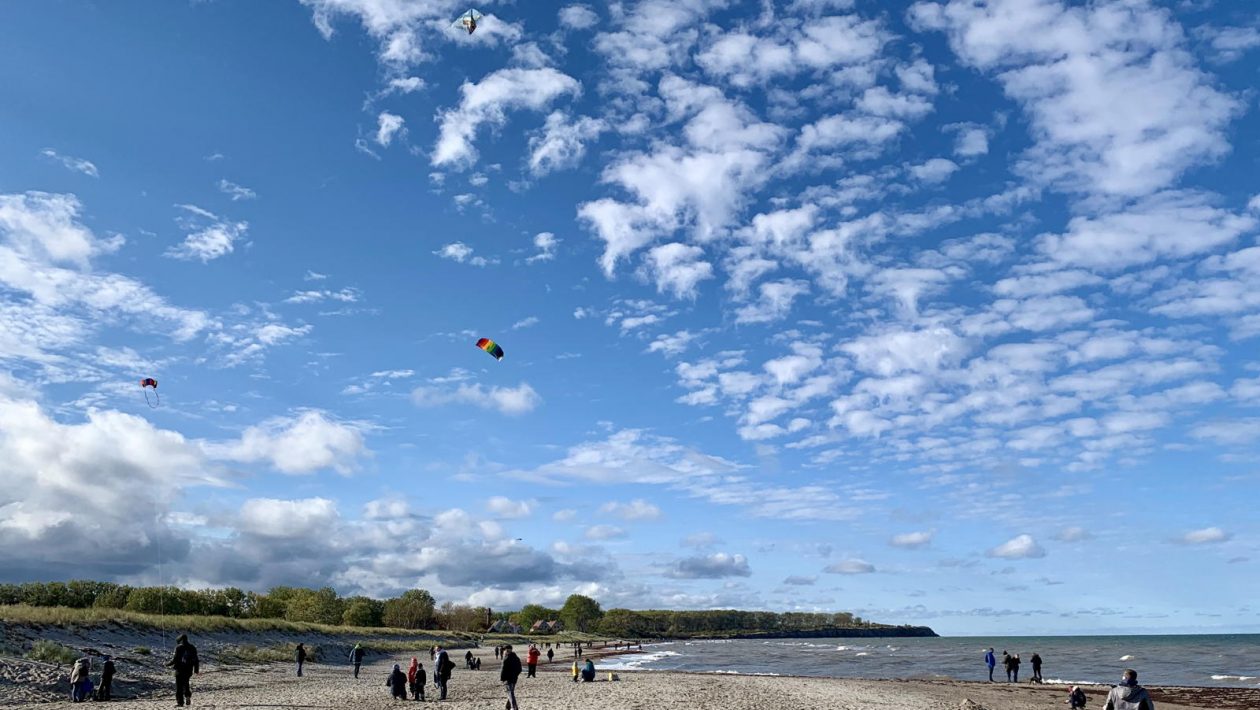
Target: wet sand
(333, 686)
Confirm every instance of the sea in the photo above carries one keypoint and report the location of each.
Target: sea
(1207, 661)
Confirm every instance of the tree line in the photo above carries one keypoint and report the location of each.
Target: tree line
(415, 609)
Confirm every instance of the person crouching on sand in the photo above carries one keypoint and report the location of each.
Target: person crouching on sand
(1129, 695)
(1076, 698)
(588, 672)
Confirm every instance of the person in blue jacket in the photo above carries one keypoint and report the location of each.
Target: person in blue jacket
(991, 661)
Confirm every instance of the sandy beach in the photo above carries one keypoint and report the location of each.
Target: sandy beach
(333, 686)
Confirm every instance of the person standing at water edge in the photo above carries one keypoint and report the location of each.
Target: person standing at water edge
(508, 674)
(1129, 695)
(185, 663)
(107, 680)
(301, 658)
(1007, 663)
(356, 657)
(1015, 668)
(990, 661)
(1036, 663)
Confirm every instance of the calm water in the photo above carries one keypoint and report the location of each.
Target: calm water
(1224, 660)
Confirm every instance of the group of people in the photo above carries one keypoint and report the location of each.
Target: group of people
(81, 685)
(1011, 663)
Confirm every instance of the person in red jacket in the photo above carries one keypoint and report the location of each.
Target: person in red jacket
(534, 653)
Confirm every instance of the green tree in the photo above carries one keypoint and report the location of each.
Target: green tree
(413, 610)
(580, 613)
(362, 611)
(534, 612)
(315, 606)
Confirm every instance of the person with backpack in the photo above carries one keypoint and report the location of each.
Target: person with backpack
(356, 657)
(185, 663)
(300, 657)
(508, 675)
(1076, 698)
(106, 691)
(532, 659)
(442, 672)
(990, 661)
(1129, 695)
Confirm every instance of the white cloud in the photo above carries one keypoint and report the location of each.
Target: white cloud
(850, 566)
(1020, 547)
(934, 171)
(78, 165)
(1072, 534)
(301, 444)
(502, 507)
(799, 581)
(670, 345)
(462, 253)
(971, 142)
(387, 126)
(545, 243)
(1229, 44)
(508, 400)
(1240, 431)
(564, 515)
(1115, 102)
(637, 509)
(561, 142)
(719, 565)
(603, 532)
(819, 45)
(487, 102)
(236, 192)
(678, 269)
(288, 519)
(209, 236)
(578, 17)
(528, 322)
(345, 295)
(774, 302)
(912, 540)
(1205, 536)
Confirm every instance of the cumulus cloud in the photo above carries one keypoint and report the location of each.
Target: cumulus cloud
(719, 565)
(578, 17)
(287, 519)
(799, 581)
(934, 171)
(850, 566)
(487, 103)
(503, 507)
(603, 532)
(637, 509)
(301, 444)
(461, 253)
(545, 243)
(1020, 547)
(912, 540)
(209, 236)
(512, 401)
(388, 125)
(562, 141)
(1204, 536)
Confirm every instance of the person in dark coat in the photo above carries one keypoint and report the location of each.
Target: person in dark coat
(508, 674)
(106, 690)
(301, 658)
(185, 663)
(1015, 667)
(442, 671)
(1008, 662)
(356, 657)
(397, 683)
(468, 659)
(551, 654)
(1036, 663)
(588, 671)
(417, 693)
(1129, 695)
(1076, 699)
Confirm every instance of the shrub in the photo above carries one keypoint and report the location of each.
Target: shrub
(52, 652)
(142, 651)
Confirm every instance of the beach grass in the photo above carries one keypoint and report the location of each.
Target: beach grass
(52, 652)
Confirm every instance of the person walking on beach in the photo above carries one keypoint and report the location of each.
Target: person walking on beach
(79, 679)
(1129, 695)
(106, 691)
(397, 683)
(532, 657)
(551, 654)
(185, 663)
(1036, 663)
(508, 674)
(356, 657)
(442, 671)
(301, 658)
(990, 661)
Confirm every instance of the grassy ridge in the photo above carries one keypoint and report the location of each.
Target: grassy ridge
(67, 617)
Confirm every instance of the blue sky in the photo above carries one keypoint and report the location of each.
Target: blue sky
(942, 312)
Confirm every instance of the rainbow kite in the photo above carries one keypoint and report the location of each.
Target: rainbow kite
(491, 347)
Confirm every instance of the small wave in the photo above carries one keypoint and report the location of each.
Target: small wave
(1233, 677)
(635, 662)
(723, 672)
(843, 648)
(1126, 658)
(863, 653)
(1060, 681)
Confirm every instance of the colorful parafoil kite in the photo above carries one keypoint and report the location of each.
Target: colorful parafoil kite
(145, 385)
(468, 21)
(491, 347)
